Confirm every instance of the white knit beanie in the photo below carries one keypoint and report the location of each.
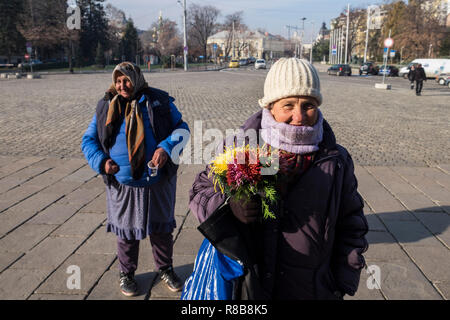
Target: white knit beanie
(291, 77)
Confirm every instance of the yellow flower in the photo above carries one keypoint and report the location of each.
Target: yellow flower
(219, 164)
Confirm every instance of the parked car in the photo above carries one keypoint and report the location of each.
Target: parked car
(260, 64)
(368, 68)
(233, 64)
(405, 70)
(442, 78)
(447, 83)
(444, 81)
(391, 71)
(251, 60)
(243, 62)
(33, 62)
(340, 70)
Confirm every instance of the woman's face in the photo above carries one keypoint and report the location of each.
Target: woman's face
(124, 86)
(297, 111)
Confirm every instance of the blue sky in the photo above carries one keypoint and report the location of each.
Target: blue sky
(271, 15)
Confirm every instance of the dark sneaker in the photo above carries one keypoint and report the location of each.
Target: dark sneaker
(171, 279)
(128, 285)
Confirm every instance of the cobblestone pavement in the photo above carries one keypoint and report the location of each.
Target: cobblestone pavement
(52, 205)
(48, 116)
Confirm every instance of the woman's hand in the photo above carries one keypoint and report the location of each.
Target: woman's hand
(246, 210)
(160, 158)
(111, 167)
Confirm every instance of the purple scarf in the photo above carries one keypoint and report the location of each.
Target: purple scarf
(295, 139)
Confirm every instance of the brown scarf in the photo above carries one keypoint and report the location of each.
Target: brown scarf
(120, 107)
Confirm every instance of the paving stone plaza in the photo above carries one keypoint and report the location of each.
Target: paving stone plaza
(52, 204)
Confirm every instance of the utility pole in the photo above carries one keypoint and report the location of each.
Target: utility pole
(340, 46)
(289, 37)
(386, 57)
(330, 47)
(312, 36)
(301, 39)
(232, 42)
(185, 48)
(367, 33)
(346, 33)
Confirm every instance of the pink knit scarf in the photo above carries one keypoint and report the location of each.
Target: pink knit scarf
(295, 139)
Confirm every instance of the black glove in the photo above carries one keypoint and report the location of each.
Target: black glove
(246, 210)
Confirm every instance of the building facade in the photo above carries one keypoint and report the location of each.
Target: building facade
(246, 44)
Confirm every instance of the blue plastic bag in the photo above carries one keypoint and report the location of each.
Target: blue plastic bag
(213, 276)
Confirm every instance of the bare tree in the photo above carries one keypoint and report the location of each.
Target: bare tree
(169, 40)
(202, 23)
(414, 26)
(227, 26)
(357, 23)
(44, 24)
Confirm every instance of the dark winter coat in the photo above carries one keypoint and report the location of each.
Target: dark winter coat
(166, 119)
(313, 250)
(419, 74)
(411, 74)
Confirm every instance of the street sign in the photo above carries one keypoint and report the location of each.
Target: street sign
(334, 52)
(388, 42)
(385, 50)
(215, 46)
(392, 54)
(186, 49)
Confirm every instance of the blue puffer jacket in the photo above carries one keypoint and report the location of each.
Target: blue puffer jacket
(95, 155)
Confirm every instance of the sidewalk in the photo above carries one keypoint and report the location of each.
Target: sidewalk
(52, 216)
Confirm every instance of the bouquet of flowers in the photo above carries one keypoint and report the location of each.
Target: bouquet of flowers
(242, 172)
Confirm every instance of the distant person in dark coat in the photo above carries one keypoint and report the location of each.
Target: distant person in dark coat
(419, 77)
(411, 76)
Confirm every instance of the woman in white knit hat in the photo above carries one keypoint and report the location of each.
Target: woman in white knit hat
(313, 249)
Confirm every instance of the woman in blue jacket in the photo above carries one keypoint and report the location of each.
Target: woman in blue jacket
(135, 128)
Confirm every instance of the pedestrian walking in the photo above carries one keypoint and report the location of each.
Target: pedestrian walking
(132, 128)
(411, 76)
(419, 77)
(313, 248)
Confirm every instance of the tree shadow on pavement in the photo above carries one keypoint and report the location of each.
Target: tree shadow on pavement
(411, 226)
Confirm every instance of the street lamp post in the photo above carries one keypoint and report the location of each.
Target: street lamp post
(312, 37)
(346, 33)
(301, 39)
(367, 33)
(185, 48)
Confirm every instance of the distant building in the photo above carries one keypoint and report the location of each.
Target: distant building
(249, 44)
(324, 33)
(440, 9)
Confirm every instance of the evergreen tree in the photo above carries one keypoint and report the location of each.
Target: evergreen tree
(94, 28)
(129, 45)
(100, 56)
(444, 49)
(321, 49)
(12, 41)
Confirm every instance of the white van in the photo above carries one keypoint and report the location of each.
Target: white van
(432, 67)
